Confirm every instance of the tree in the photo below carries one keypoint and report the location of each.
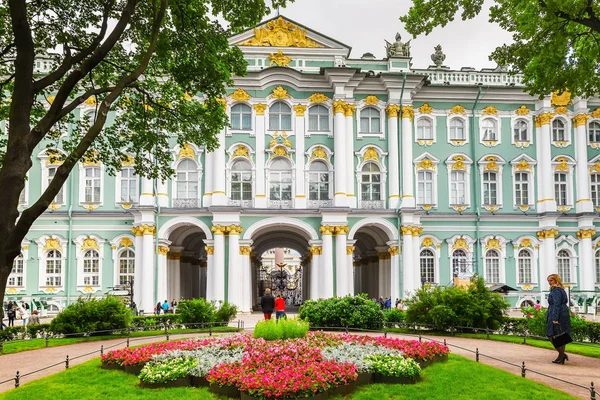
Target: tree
(556, 43)
(146, 60)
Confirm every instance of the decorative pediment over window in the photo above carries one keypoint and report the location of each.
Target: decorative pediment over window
(280, 33)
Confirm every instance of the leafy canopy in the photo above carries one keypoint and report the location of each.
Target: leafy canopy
(556, 43)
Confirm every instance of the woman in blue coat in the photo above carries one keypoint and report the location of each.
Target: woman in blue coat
(559, 317)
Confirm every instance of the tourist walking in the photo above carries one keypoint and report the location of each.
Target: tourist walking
(12, 314)
(559, 318)
(267, 304)
(35, 319)
(165, 307)
(174, 305)
(158, 308)
(279, 307)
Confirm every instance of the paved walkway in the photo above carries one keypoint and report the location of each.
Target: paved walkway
(578, 369)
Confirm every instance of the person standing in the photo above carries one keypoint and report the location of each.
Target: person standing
(12, 314)
(24, 315)
(165, 307)
(267, 304)
(279, 307)
(559, 318)
(388, 303)
(174, 305)
(158, 308)
(35, 319)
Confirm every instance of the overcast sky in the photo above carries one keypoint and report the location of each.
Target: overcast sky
(364, 24)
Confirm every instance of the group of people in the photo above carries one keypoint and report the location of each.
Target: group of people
(13, 310)
(268, 303)
(387, 303)
(165, 307)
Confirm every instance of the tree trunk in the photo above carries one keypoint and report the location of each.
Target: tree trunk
(4, 273)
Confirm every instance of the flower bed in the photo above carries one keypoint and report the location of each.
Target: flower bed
(313, 366)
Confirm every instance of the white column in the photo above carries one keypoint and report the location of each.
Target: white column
(315, 265)
(393, 175)
(260, 197)
(300, 200)
(219, 262)
(147, 196)
(408, 270)
(162, 292)
(584, 202)
(341, 261)
(210, 269)
(416, 245)
(547, 201)
(382, 256)
(148, 300)
(408, 193)
(208, 179)
(246, 303)
(234, 287)
(540, 180)
(163, 193)
(218, 194)
(350, 175)
(395, 275)
(548, 245)
(350, 266)
(586, 265)
(339, 153)
(326, 267)
(139, 270)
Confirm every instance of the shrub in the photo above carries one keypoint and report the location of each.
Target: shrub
(475, 307)
(167, 370)
(11, 333)
(38, 330)
(155, 321)
(92, 315)
(397, 366)
(536, 320)
(225, 313)
(357, 354)
(394, 316)
(353, 312)
(196, 311)
(286, 328)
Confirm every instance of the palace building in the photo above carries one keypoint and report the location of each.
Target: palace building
(381, 174)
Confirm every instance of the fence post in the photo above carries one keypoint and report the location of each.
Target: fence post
(385, 334)
(1, 346)
(477, 354)
(445, 342)
(420, 340)
(592, 391)
(209, 329)
(487, 334)
(167, 331)
(346, 328)
(525, 337)
(238, 324)
(67, 362)
(452, 330)
(101, 350)
(128, 335)
(47, 339)
(523, 369)
(18, 379)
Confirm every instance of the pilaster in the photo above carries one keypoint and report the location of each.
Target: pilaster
(583, 201)
(408, 194)
(350, 175)
(343, 270)
(300, 199)
(587, 271)
(260, 199)
(315, 268)
(339, 152)
(392, 111)
(326, 268)
(546, 202)
(218, 193)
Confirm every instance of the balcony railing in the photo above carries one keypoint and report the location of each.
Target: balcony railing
(241, 203)
(371, 204)
(320, 203)
(472, 77)
(186, 203)
(280, 203)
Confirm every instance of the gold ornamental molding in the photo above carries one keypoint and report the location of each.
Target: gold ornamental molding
(426, 163)
(562, 164)
(460, 243)
(459, 209)
(240, 95)
(384, 255)
(458, 109)
(89, 243)
(543, 119)
(547, 234)
(186, 152)
(349, 109)
(562, 99)
(318, 153)
(280, 93)
(585, 233)
(523, 110)
(491, 163)
(493, 243)
(371, 154)
(339, 106)
(408, 112)
(425, 109)
(300, 109)
(173, 256)
(525, 243)
(226, 229)
(245, 250)
(416, 230)
(316, 250)
(260, 109)
(90, 101)
(459, 163)
(234, 229)
(523, 165)
(52, 244)
(280, 59)
(54, 206)
(580, 119)
(349, 250)
(241, 151)
(142, 230)
(327, 230)
(393, 251)
(341, 230)
(371, 100)
(392, 110)
(163, 250)
(317, 98)
(561, 110)
(490, 110)
(126, 242)
(596, 113)
(427, 242)
(594, 169)
(280, 33)
(209, 250)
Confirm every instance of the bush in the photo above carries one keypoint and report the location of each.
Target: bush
(38, 330)
(150, 322)
(475, 307)
(394, 316)
(225, 313)
(285, 328)
(196, 311)
(92, 315)
(338, 312)
(536, 320)
(11, 333)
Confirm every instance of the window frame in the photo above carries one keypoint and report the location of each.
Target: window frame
(567, 132)
(560, 268)
(379, 115)
(491, 163)
(119, 259)
(430, 120)
(119, 183)
(319, 117)
(271, 112)
(249, 111)
(328, 171)
(81, 252)
(432, 267)
(497, 129)
(449, 129)
(488, 262)
(16, 275)
(250, 172)
(452, 166)
(370, 183)
(593, 143)
(269, 171)
(520, 274)
(176, 181)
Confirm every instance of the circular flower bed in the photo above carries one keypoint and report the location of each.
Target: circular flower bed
(281, 369)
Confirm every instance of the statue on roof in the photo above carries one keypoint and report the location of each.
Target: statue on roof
(398, 48)
(438, 57)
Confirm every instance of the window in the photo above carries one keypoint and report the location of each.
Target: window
(560, 188)
(525, 261)
(424, 129)
(54, 268)
(280, 180)
(318, 181)
(425, 187)
(241, 117)
(427, 266)
(318, 118)
(597, 259)
(126, 267)
(595, 180)
(15, 279)
(458, 184)
(370, 182)
(91, 268)
(129, 186)
(92, 185)
(241, 181)
(521, 189)
(370, 120)
(563, 266)
(490, 188)
(280, 117)
(488, 129)
(22, 199)
(492, 266)
(187, 180)
(594, 132)
(60, 198)
(457, 129)
(459, 263)
(520, 132)
(558, 131)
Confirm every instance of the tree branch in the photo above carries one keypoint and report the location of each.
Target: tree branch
(79, 100)
(7, 80)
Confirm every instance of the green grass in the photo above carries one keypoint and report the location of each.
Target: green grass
(457, 378)
(34, 344)
(285, 328)
(583, 349)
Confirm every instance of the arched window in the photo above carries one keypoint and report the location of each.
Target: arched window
(370, 182)
(427, 266)
(525, 261)
(560, 189)
(280, 117)
(187, 180)
(563, 266)
(458, 188)
(459, 262)
(558, 131)
(318, 118)
(520, 131)
(91, 268)
(457, 129)
(126, 267)
(521, 188)
(594, 132)
(318, 181)
(597, 259)
(54, 268)
(424, 187)
(241, 117)
(424, 129)
(280, 180)
(92, 185)
(488, 129)
(492, 266)
(370, 120)
(15, 279)
(241, 180)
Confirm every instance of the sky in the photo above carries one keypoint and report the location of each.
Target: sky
(365, 24)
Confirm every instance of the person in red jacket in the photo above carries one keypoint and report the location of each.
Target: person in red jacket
(279, 307)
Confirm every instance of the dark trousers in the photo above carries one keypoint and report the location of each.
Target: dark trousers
(279, 314)
(268, 315)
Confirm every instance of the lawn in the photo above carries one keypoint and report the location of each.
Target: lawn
(456, 378)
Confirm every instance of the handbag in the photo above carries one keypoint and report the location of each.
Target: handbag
(561, 338)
